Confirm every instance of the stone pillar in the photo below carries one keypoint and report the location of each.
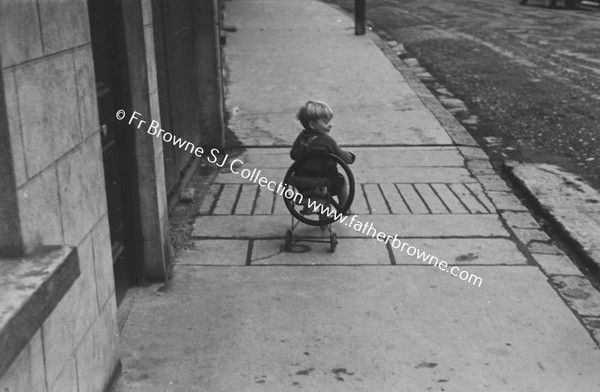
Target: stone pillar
(149, 203)
(206, 15)
(11, 242)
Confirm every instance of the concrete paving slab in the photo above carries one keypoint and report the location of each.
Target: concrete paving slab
(319, 77)
(366, 157)
(355, 251)
(379, 175)
(493, 183)
(526, 236)
(246, 16)
(506, 201)
(279, 207)
(463, 251)
(214, 252)
(264, 226)
(226, 176)
(542, 248)
(349, 128)
(257, 122)
(267, 157)
(367, 54)
(456, 225)
(406, 157)
(412, 175)
(520, 220)
(556, 265)
(579, 293)
(480, 167)
(593, 324)
(368, 328)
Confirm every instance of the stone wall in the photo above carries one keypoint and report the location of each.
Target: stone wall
(52, 178)
(50, 98)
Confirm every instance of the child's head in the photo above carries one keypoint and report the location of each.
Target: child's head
(313, 111)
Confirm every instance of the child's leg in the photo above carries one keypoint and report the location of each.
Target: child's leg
(343, 194)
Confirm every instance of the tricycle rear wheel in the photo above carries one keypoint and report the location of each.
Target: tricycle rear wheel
(289, 236)
(333, 241)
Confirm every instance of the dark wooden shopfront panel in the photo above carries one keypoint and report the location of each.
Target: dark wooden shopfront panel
(111, 80)
(177, 84)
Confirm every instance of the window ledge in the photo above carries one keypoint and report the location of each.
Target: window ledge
(30, 289)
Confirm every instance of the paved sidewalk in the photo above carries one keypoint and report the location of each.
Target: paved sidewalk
(240, 314)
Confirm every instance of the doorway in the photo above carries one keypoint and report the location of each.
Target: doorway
(110, 76)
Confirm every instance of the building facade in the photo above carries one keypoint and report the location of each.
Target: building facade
(83, 196)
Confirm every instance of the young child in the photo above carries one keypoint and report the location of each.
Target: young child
(315, 117)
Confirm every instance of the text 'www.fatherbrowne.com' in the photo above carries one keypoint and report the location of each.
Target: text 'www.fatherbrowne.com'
(368, 229)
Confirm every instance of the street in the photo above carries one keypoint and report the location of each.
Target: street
(528, 75)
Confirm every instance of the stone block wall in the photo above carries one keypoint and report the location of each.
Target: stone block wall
(50, 94)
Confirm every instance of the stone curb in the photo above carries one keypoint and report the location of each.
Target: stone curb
(571, 285)
(528, 232)
(573, 244)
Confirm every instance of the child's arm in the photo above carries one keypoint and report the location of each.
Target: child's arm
(346, 156)
(296, 151)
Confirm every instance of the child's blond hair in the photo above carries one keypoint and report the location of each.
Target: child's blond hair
(314, 111)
